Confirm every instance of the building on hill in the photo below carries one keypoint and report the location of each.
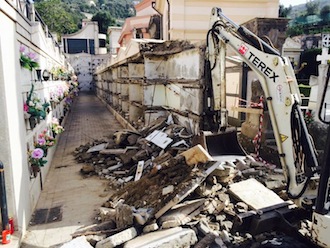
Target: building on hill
(137, 27)
(188, 19)
(114, 34)
(85, 50)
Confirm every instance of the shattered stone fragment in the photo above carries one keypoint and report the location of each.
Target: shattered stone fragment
(107, 214)
(124, 216)
(117, 239)
(174, 237)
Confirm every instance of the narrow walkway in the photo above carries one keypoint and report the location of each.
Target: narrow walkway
(78, 198)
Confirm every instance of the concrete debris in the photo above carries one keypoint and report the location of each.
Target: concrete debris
(80, 242)
(117, 239)
(174, 237)
(167, 192)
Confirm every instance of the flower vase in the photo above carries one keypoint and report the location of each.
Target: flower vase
(35, 170)
(38, 119)
(33, 122)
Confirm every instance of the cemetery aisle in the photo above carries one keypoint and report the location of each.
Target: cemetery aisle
(68, 200)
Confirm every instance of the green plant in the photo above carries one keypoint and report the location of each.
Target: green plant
(34, 106)
(28, 60)
(44, 141)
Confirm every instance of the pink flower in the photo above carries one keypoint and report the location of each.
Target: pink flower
(37, 153)
(31, 55)
(26, 107)
(21, 49)
(41, 141)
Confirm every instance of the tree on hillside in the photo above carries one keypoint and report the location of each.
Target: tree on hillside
(58, 16)
(104, 20)
(325, 13)
(283, 11)
(312, 7)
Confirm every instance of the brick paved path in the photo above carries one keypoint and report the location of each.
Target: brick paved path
(78, 198)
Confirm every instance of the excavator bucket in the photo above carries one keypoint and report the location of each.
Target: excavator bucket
(223, 144)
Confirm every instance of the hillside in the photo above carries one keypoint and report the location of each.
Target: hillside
(65, 16)
(301, 9)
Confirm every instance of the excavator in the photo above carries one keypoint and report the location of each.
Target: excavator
(307, 182)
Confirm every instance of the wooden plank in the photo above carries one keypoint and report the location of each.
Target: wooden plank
(254, 194)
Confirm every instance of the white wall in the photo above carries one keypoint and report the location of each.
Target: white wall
(22, 191)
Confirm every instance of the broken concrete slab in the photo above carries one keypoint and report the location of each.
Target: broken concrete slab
(118, 151)
(196, 154)
(117, 239)
(168, 189)
(182, 213)
(107, 214)
(174, 237)
(150, 228)
(254, 194)
(97, 148)
(80, 242)
(159, 138)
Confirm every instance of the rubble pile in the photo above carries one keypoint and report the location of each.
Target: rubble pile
(117, 159)
(169, 193)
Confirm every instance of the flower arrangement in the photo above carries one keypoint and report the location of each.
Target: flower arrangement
(44, 141)
(57, 94)
(56, 127)
(28, 60)
(34, 106)
(36, 158)
(59, 73)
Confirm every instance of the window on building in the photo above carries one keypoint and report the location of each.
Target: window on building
(102, 42)
(91, 46)
(77, 46)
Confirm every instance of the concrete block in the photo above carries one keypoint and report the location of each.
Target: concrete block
(124, 216)
(167, 190)
(136, 70)
(150, 228)
(80, 242)
(174, 237)
(107, 214)
(118, 238)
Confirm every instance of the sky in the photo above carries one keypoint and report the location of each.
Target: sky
(287, 3)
